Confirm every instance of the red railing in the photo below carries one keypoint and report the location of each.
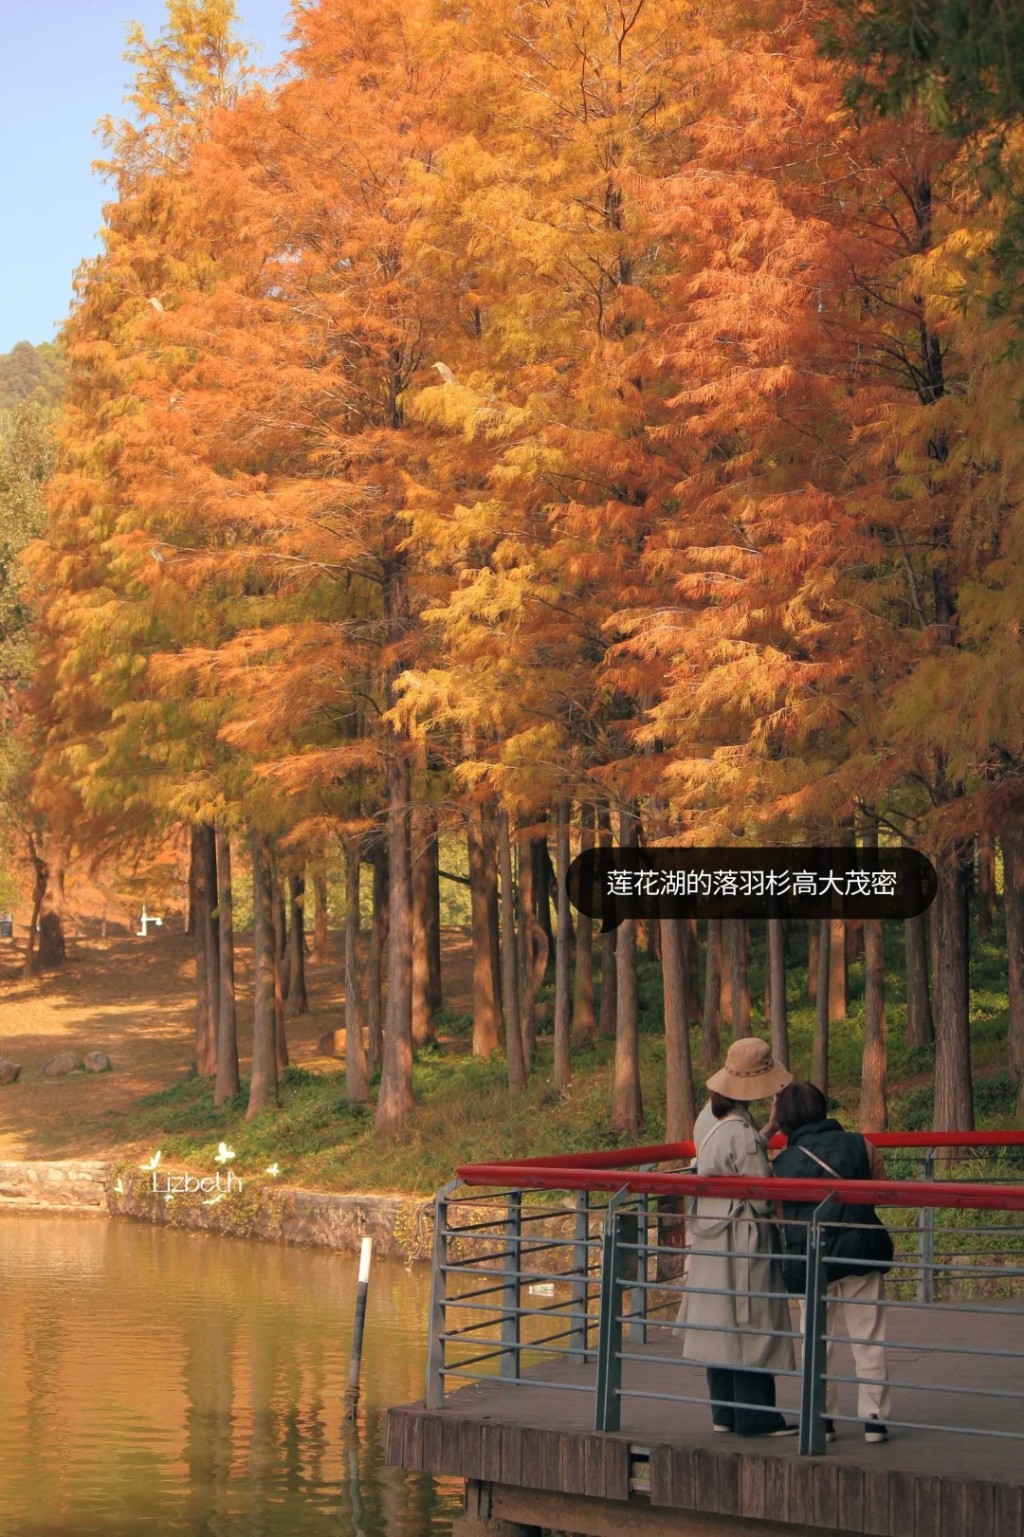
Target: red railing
(670, 1152)
(610, 1169)
(867, 1192)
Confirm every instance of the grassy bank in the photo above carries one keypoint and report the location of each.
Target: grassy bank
(464, 1113)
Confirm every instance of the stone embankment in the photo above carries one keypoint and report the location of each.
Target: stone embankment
(401, 1226)
(36, 1186)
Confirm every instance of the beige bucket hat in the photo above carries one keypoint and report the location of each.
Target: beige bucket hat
(750, 1071)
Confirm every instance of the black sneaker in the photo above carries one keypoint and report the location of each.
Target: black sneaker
(723, 1430)
(782, 1430)
(874, 1431)
(830, 1430)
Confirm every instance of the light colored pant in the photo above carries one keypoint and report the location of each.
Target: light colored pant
(859, 1297)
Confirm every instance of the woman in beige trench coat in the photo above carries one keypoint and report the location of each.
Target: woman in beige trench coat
(736, 1313)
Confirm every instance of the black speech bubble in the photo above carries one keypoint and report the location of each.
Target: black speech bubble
(615, 884)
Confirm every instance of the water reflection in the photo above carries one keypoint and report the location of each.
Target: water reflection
(154, 1381)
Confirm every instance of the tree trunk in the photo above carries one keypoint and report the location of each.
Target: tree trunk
(486, 1032)
(205, 1059)
(583, 986)
(724, 973)
(435, 997)
(422, 1013)
(190, 910)
(263, 1086)
(874, 1113)
(691, 966)
(711, 1041)
(509, 968)
(489, 839)
(395, 1098)
(986, 884)
(813, 939)
(38, 892)
(680, 1105)
(284, 958)
(777, 1002)
(954, 1097)
(854, 941)
(1012, 839)
(281, 958)
(920, 1029)
(52, 951)
(227, 1083)
(375, 958)
(356, 1084)
(736, 929)
(209, 853)
(819, 1058)
(542, 887)
(563, 980)
(837, 988)
(609, 982)
(298, 1000)
(627, 1106)
(525, 945)
(320, 915)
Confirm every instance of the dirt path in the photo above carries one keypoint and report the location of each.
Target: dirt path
(133, 999)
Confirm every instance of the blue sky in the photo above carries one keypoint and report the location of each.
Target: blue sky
(61, 69)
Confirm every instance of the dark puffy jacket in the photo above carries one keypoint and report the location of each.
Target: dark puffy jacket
(852, 1249)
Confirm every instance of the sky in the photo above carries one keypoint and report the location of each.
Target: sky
(61, 69)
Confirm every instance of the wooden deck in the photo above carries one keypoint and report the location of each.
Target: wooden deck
(539, 1436)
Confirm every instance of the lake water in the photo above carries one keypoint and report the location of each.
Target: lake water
(159, 1382)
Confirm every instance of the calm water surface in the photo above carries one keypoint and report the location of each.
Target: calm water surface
(164, 1382)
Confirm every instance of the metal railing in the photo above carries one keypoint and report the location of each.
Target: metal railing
(568, 1274)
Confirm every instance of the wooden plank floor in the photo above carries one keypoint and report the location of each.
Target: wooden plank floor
(923, 1483)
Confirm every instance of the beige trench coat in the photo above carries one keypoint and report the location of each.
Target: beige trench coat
(718, 1281)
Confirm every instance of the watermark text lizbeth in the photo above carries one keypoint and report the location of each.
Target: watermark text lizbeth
(197, 1184)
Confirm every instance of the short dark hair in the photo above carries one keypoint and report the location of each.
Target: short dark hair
(721, 1105)
(798, 1104)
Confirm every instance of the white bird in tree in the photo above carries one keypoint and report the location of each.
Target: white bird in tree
(148, 1168)
(155, 302)
(119, 1186)
(273, 1169)
(224, 1154)
(445, 372)
(214, 1199)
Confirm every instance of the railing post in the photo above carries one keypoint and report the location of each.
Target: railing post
(815, 1349)
(510, 1314)
(435, 1337)
(636, 1330)
(609, 1328)
(926, 1237)
(579, 1330)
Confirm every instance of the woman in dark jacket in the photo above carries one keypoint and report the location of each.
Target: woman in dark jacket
(858, 1255)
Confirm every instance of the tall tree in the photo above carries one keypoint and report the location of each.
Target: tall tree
(356, 1085)
(563, 990)
(627, 1103)
(263, 1084)
(227, 1081)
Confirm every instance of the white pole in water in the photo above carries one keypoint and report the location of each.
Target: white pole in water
(362, 1287)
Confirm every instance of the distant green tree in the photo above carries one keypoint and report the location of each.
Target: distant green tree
(31, 374)
(960, 61)
(26, 459)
